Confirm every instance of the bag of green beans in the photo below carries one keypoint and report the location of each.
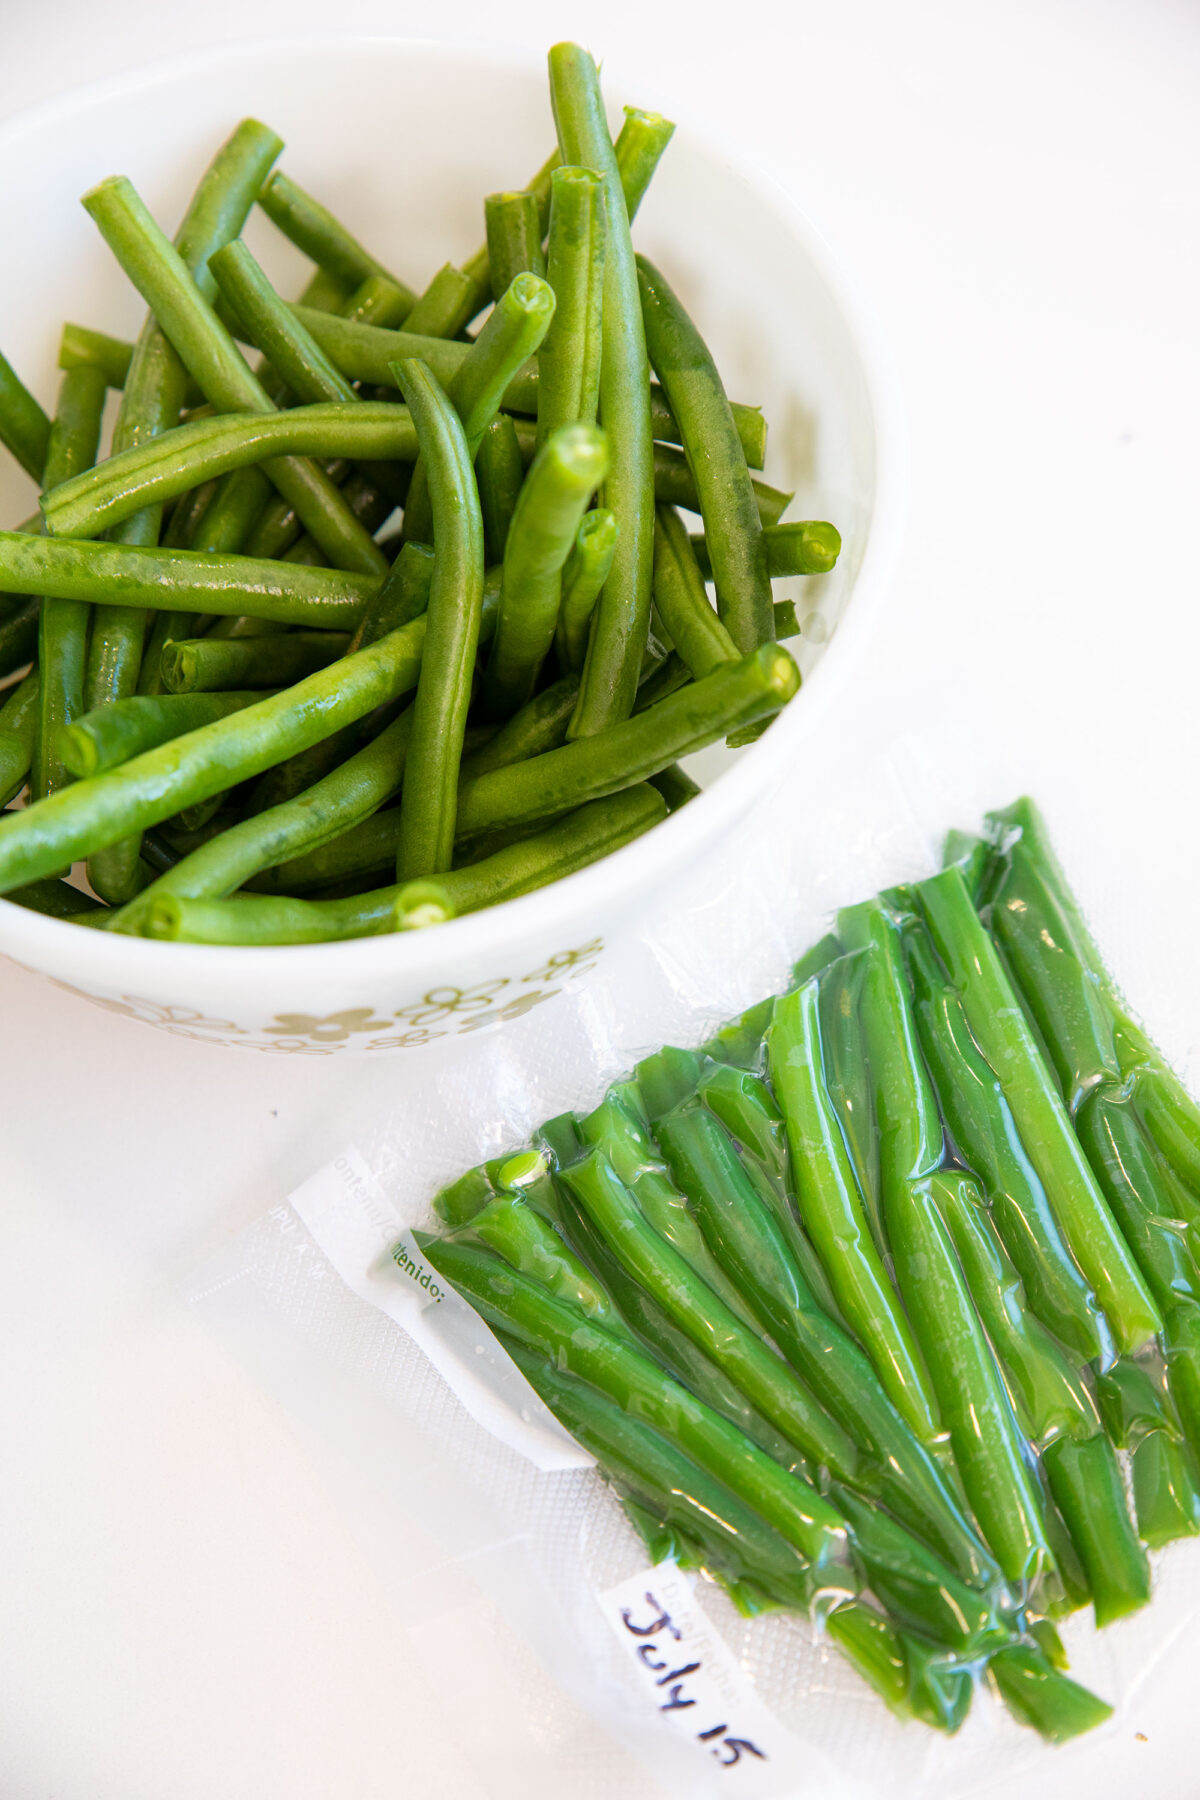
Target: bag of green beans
(825, 1365)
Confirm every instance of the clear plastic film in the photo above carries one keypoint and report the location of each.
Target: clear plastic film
(623, 1658)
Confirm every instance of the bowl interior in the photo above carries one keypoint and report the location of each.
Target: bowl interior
(402, 140)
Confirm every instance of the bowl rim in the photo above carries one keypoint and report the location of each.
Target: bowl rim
(634, 872)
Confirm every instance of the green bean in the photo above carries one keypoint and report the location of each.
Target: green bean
(206, 349)
(982, 1125)
(1138, 1417)
(428, 801)
(1086, 1482)
(156, 785)
(313, 229)
(745, 1236)
(268, 919)
(915, 1586)
(207, 665)
(639, 148)
(24, 427)
(172, 463)
(674, 485)
(737, 1542)
(1038, 1695)
(185, 515)
(155, 388)
(499, 472)
(885, 1658)
(801, 547)
(1137, 1193)
(182, 580)
(1047, 1393)
(665, 1080)
(447, 305)
(565, 473)
(375, 301)
(80, 347)
(515, 328)
(554, 782)
(1004, 1038)
(847, 1079)
(744, 1105)
(733, 531)
(622, 615)
(307, 824)
(673, 1349)
(18, 637)
(583, 837)
(695, 629)
(111, 735)
(616, 1131)
(833, 1211)
(275, 330)
(584, 575)
(18, 723)
(365, 849)
(676, 786)
(476, 267)
(55, 899)
(514, 1229)
(787, 625)
(63, 624)
(698, 1311)
(539, 726)
(514, 238)
(569, 360)
(520, 1307)
(988, 1446)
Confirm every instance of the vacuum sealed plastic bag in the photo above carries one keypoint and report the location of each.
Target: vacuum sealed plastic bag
(876, 1308)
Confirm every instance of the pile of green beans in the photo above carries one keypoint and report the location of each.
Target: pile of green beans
(890, 1290)
(423, 560)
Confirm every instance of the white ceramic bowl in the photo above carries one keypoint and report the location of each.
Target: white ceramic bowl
(402, 139)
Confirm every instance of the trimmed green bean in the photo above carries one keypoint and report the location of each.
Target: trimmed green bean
(365, 849)
(516, 326)
(1048, 1395)
(695, 629)
(182, 580)
(622, 614)
(1038, 1695)
(674, 485)
(676, 786)
(847, 1079)
(640, 1461)
(209, 353)
(81, 347)
(583, 837)
(446, 307)
(265, 919)
(514, 238)
(18, 723)
(519, 1306)
(988, 1446)
(63, 624)
(832, 1210)
(313, 229)
(696, 395)
(24, 427)
(584, 575)
(1087, 1485)
(375, 301)
(365, 352)
(176, 460)
(204, 763)
(113, 734)
(638, 149)
(801, 547)
(499, 473)
(275, 330)
(569, 360)
(565, 473)
(982, 1125)
(1003, 1036)
(57, 900)
(768, 1383)
(210, 665)
(429, 794)
(755, 687)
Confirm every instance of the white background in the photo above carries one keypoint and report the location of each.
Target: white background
(185, 1608)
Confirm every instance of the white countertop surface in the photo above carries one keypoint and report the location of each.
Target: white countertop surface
(190, 1597)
